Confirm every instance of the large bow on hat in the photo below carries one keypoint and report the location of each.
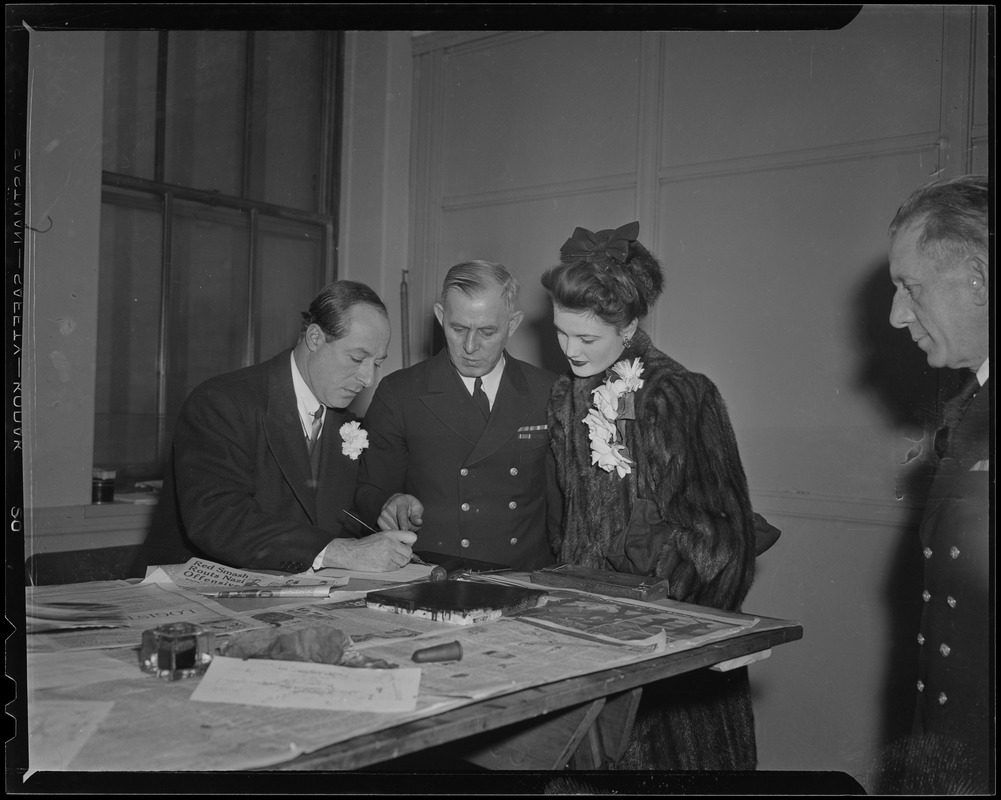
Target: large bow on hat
(590, 246)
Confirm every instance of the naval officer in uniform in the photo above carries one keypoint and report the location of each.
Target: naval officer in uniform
(458, 444)
(940, 266)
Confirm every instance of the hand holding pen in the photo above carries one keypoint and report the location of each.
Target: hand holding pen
(402, 536)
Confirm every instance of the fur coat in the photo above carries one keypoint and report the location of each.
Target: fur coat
(683, 513)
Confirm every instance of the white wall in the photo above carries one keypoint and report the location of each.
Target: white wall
(60, 263)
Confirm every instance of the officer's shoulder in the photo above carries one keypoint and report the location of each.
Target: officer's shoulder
(392, 381)
(534, 374)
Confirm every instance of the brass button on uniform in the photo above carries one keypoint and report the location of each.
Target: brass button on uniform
(942, 698)
(514, 470)
(921, 638)
(463, 472)
(921, 686)
(512, 505)
(514, 541)
(954, 552)
(464, 543)
(926, 595)
(927, 552)
(951, 601)
(944, 649)
(464, 506)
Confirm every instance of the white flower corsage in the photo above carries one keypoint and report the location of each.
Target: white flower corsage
(613, 401)
(355, 439)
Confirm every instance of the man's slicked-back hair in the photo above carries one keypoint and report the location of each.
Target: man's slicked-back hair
(952, 215)
(474, 277)
(331, 308)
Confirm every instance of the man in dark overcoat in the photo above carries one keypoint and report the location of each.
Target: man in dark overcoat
(940, 266)
(459, 446)
(264, 460)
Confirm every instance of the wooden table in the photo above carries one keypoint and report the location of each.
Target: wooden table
(581, 722)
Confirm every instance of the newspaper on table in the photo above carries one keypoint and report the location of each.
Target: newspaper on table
(137, 608)
(201, 575)
(365, 626)
(658, 626)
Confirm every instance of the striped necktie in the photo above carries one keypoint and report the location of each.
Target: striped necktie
(314, 442)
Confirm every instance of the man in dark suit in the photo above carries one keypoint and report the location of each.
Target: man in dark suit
(264, 459)
(940, 266)
(459, 442)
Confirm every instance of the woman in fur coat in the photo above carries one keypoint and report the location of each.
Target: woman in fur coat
(652, 485)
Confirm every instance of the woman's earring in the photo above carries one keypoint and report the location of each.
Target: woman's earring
(626, 340)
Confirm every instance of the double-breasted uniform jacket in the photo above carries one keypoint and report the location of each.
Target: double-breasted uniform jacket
(238, 488)
(954, 697)
(487, 491)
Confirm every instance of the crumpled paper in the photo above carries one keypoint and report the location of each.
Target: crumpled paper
(316, 643)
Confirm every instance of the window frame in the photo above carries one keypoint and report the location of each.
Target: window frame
(121, 189)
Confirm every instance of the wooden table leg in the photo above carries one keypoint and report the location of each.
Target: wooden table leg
(607, 738)
(590, 736)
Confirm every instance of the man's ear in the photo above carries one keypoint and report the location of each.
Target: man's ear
(314, 335)
(439, 312)
(515, 321)
(978, 274)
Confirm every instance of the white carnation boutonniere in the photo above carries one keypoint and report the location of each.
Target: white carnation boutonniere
(613, 403)
(355, 439)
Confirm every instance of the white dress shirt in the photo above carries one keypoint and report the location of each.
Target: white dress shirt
(491, 382)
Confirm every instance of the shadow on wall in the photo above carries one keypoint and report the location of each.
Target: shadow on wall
(894, 372)
(550, 355)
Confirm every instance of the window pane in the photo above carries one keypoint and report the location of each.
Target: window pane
(130, 102)
(209, 280)
(290, 270)
(127, 334)
(205, 102)
(287, 100)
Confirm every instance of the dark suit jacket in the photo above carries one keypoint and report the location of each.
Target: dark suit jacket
(237, 488)
(956, 628)
(487, 493)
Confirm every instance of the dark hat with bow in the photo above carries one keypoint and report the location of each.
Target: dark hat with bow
(616, 248)
(601, 246)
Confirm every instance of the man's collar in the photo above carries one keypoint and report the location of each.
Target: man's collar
(304, 395)
(984, 372)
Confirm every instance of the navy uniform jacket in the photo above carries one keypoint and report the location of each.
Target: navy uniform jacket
(488, 493)
(956, 630)
(238, 485)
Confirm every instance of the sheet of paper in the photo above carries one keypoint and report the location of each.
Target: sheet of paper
(49, 670)
(405, 574)
(298, 684)
(58, 729)
(360, 583)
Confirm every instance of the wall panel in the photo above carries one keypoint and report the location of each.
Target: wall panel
(732, 95)
(537, 109)
(778, 289)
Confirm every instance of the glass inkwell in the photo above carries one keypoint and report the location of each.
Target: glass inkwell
(177, 650)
